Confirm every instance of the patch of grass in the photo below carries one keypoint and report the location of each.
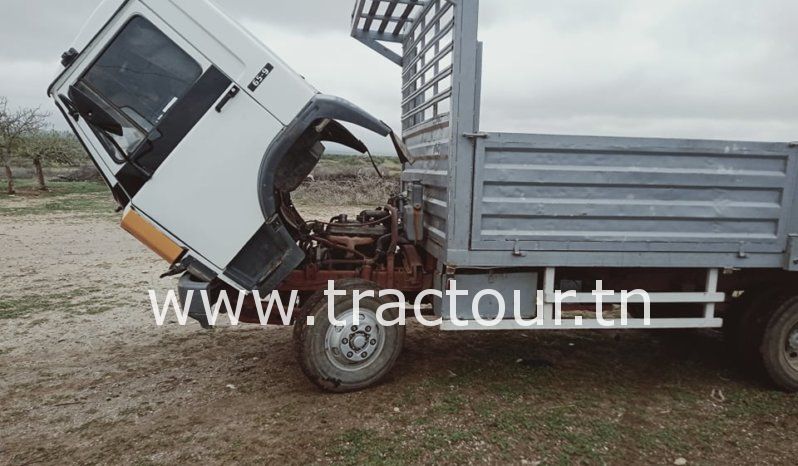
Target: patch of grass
(430, 445)
(751, 403)
(96, 425)
(37, 322)
(28, 188)
(13, 308)
(361, 446)
(99, 309)
(81, 198)
(81, 301)
(78, 187)
(79, 203)
(451, 404)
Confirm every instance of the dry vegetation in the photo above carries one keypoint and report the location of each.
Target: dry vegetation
(350, 180)
(354, 191)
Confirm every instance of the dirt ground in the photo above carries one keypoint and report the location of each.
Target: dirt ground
(87, 377)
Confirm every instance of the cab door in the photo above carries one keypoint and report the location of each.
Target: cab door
(188, 145)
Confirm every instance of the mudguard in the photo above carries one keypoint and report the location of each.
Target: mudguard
(273, 253)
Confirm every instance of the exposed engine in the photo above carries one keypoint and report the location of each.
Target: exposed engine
(346, 243)
(343, 240)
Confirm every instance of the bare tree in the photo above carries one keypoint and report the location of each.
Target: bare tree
(14, 127)
(49, 147)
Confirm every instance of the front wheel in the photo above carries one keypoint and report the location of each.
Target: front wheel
(352, 355)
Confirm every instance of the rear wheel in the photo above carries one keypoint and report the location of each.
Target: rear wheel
(779, 346)
(733, 316)
(748, 331)
(352, 355)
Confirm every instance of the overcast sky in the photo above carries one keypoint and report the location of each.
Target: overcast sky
(670, 68)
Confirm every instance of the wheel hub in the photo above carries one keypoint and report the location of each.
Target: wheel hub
(791, 349)
(354, 345)
(359, 341)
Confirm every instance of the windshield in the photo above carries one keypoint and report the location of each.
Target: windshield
(137, 79)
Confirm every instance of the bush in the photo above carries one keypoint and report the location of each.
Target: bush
(82, 173)
(347, 191)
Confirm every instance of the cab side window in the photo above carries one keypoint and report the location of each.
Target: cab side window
(139, 77)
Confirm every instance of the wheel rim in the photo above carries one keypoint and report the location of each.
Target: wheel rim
(791, 348)
(352, 347)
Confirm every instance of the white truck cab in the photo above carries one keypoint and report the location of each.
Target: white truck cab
(201, 132)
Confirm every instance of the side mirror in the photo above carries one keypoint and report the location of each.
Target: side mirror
(93, 113)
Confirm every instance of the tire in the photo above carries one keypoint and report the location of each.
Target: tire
(347, 358)
(733, 316)
(779, 346)
(738, 313)
(748, 335)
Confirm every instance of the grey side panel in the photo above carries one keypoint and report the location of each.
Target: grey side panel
(792, 253)
(507, 284)
(430, 148)
(731, 202)
(791, 258)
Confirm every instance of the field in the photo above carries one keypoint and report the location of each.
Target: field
(86, 376)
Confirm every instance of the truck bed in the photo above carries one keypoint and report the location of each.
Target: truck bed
(525, 200)
(594, 201)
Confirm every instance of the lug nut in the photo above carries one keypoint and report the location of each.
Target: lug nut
(345, 341)
(368, 329)
(349, 355)
(373, 342)
(364, 355)
(354, 328)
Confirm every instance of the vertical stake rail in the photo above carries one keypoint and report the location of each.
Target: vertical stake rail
(712, 287)
(548, 290)
(463, 107)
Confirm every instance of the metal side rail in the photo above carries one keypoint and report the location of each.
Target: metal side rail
(375, 22)
(548, 320)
